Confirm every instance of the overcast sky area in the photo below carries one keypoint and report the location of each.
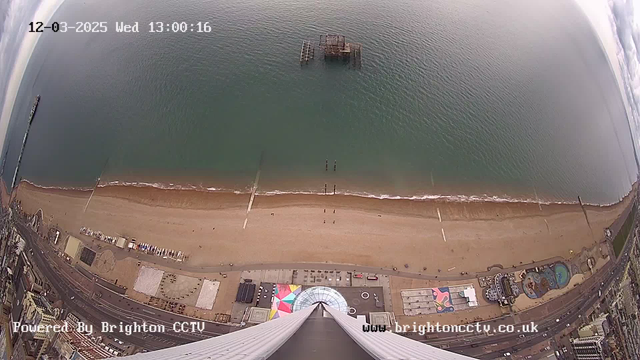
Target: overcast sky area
(617, 23)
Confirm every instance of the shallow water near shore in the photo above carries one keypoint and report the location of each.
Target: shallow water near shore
(467, 101)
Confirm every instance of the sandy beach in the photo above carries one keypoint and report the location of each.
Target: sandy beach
(301, 228)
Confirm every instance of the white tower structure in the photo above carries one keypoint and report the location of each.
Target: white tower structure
(317, 331)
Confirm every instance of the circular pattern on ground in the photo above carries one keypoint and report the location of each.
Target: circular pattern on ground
(105, 262)
(179, 287)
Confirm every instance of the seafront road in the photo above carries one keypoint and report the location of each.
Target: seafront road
(114, 308)
(79, 296)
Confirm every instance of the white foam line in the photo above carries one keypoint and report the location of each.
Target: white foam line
(443, 235)
(439, 217)
(67, 188)
(447, 198)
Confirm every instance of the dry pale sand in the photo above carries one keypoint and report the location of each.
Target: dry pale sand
(301, 228)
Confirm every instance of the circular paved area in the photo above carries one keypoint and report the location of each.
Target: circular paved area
(178, 287)
(105, 262)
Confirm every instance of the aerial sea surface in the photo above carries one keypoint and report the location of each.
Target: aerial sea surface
(496, 100)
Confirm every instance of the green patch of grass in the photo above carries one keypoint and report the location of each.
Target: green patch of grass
(621, 237)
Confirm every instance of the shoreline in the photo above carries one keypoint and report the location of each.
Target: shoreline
(304, 228)
(216, 200)
(441, 198)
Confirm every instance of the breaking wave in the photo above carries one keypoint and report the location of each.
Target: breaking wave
(423, 197)
(69, 188)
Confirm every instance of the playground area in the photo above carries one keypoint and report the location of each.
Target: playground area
(539, 281)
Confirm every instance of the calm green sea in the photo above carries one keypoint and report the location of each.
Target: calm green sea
(468, 97)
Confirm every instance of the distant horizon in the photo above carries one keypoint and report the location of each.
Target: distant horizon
(16, 50)
(491, 117)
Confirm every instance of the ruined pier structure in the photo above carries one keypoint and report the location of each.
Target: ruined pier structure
(334, 46)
